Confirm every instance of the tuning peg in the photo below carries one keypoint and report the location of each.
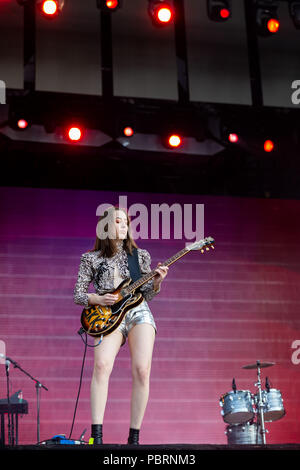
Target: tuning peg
(213, 247)
(202, 251)
(207, 249)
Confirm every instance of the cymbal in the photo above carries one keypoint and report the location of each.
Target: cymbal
(260, 364)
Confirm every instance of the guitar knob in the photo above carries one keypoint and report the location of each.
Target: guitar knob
(202, 251)
(207, 249)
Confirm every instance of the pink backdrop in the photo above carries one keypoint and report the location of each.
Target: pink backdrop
(215, 313)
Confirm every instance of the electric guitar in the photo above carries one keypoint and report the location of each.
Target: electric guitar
(98, 320)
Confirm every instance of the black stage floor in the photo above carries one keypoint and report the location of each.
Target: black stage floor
(144, 455)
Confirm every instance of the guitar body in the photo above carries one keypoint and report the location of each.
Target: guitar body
(98, 320)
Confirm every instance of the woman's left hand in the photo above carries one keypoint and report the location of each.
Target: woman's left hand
(162, 271)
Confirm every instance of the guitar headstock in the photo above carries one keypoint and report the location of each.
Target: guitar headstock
(202, 245)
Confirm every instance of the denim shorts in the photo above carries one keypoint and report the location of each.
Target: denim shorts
(137, 315)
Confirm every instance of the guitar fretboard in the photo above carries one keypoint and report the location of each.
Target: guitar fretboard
(152, 273)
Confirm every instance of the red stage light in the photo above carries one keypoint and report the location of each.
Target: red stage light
(267, 19)
(128, 131)
(273, 25)
(174, 141)
(164, 14)
(268, 146)
(109, 5)
(112, 4)
(50, 7)
(74, 134)
(22, 124)
(233, 138)
(224, 13)
(161, 13)
(219, 10)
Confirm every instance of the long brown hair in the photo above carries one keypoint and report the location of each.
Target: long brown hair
(108, 246)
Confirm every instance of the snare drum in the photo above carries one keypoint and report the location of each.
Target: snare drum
(248, 433)
(272, 404)
(237, 407)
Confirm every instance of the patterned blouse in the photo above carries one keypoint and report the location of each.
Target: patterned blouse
(107, 273)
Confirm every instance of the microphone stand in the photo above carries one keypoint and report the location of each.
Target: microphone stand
(38, 386)
(8, 403)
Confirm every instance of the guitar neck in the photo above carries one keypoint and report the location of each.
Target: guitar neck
(153, 273)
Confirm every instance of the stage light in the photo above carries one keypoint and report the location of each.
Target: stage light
(225, 13)
(233, 138)
(268, 145)
(128, 131)
(273, 25)
(22, 123)
(164, 15)
(267, 21)
(74, 134)
(294, 9)
(19, 119)
(109, 5)
(218, 10)
(50, 8)
(174, 141)
(161, 12)
(112, 4)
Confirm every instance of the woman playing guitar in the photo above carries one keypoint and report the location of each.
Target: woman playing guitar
(106, 266)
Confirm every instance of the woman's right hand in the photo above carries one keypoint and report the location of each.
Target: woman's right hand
(106, 299)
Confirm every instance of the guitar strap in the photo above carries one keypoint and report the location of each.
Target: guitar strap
(133, 265)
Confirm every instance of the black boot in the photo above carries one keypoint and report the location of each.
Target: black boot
(133, 437)
(97, 433)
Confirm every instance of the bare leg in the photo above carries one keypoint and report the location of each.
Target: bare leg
(104, 357)
(141, 341)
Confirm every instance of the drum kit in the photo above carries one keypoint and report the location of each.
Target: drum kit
(241, 407)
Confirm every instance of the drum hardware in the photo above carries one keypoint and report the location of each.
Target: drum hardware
(262, 365)
(240, 407)
(260, 404)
